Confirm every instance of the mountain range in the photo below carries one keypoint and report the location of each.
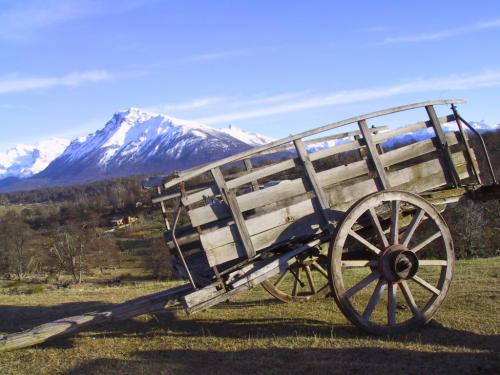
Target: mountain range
(132, 142)
(138, 142)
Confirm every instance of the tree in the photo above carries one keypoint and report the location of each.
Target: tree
(159, 260)
(17, 253)
(69, 252)
(468, 226)
(78, 249)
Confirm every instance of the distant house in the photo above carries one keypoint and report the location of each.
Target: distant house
(117, 220)
(130, 219)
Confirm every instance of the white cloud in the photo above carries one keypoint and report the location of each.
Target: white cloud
(21, 19)
(452, 82)
(8, 85)
(188, 105)
(442, 34)
(226, 102)
(217, 55)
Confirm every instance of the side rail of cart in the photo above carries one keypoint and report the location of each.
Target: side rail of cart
(267, 211)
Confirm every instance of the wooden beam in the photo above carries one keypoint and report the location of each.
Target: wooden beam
(313, 180)
(231, 201)
(196, 171)
(269, 170)
(373, 155)
(443, 145)
(65, 326)
(249, 168)
(297, 187)
(299, 221)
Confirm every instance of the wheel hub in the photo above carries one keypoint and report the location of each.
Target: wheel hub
(398, 263)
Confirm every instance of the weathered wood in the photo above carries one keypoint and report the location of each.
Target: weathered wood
(66, 326)
(373, 155)
(313, 180)
(443, 144)
(270, 170)
(290, 146)
(196, 171)
(274, 228)
(289, 189)
(249, 168)
(256, 273)
(236, 213)
(259, 224)
(468, 148)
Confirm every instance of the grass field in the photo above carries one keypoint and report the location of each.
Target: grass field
(255, 334)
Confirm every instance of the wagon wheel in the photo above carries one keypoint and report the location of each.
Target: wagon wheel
(305, 279)
(418, 261)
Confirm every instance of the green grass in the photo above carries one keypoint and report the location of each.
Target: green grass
(254, 334)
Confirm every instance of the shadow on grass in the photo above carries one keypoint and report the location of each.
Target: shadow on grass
(284, 360)
(16, 318)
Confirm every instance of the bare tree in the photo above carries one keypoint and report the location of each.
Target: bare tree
(16, 246)
(468, 229)
(70, 253)
(79, 249)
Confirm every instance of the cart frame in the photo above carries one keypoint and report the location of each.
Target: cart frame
(239, 260)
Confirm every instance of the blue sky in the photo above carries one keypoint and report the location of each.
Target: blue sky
(274, 67)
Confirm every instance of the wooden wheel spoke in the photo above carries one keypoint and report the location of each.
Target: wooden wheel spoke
(280, 279)
(372, 303)
(413, 227)
(394, 234)
(362, 284)
(320, 269)
(310, 280)
(426, 285)
(361, 240)
(376, 223)
(323, 287)
(359, 263)
(391, 303)
(432, 262)
(403, 285)
(427, 241)
(296, 283)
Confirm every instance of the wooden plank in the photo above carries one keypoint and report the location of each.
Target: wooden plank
(373, 155)
(289, 189)
(302, 229)
(320, 140)
(384, 136)
(443, 144)
(313, 179)
(468, 148)
(234, 208)
(259, 224)
(259, 173)
(424, 176)
(196, 171)
(249, 168)
(418, 178)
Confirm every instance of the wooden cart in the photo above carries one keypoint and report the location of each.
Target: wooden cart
(350, 214)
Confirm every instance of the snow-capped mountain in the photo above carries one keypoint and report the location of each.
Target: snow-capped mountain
(252, 139)
(138, 142)
(23, 160)
(481, 127)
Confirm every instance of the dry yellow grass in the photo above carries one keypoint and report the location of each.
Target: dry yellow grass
(255, 334)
